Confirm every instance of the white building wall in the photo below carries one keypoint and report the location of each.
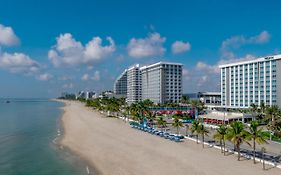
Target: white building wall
(254, 81)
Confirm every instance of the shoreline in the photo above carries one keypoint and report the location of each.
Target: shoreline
(81, 123)
(89, 168)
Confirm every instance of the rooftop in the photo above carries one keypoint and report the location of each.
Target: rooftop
(261, 59)
(159, 63)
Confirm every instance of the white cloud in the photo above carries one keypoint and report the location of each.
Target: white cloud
(152, 45)
(69, 52)
(202, 80)
(180, 47)
(85, 77)
(185, 72)
(236, 42)
(263, 37)
(19, 63)
(65, 78)
(95, 77)
(45, 77)
(68, 86)
(7, 36)
(201, 66)
(95, 51)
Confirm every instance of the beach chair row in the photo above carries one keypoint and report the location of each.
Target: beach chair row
(154, 131)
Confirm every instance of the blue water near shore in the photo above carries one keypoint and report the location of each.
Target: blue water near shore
(28, 128)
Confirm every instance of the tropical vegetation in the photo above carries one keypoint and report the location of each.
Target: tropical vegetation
(236, 132)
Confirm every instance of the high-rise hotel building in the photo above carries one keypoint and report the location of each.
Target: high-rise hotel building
(133, 84)
(255, 81)
(162, 82)
(120, 85)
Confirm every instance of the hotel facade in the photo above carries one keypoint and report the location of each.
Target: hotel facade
(133, 84)
(120, 85)
(160, 82)
(256, 81)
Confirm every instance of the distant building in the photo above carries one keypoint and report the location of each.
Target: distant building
(254, 81)
(120, 85)
(133, 84)
(210, 99)
(162, 82)
(86, 95)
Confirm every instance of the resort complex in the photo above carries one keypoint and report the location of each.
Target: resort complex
(140, 87)
(251, 82)
(150, 97)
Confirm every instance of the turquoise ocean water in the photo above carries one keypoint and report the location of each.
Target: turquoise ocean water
(27, 130)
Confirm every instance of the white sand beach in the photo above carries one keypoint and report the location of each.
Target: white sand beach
(113, 147)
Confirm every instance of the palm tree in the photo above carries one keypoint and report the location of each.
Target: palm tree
(134, 111)
(258, 136)
(195, 129)
(195, 105)
(161, 122)
(273, 117)
(177, 124)
(147, 103)
(151, 117)
(262, 107)
(254, 109)
(184, 99)
(237, 135)
(220, 135)
(203, 131)
(198, 106)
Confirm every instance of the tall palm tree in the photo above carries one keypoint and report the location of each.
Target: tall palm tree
(262, 107)
(177, 124)
(257, 135)
(151, 116)
(161, 123)
(254, 109)
(220, 135)
(237, 135)
(134, 111)
(195, 129)
(273, 118)
(203, 131)
(197, 105)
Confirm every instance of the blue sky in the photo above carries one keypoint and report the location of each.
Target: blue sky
(48, 47)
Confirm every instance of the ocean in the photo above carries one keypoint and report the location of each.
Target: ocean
(28, 130)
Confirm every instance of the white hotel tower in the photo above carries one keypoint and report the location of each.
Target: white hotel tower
(133, 84)
(120, 85)
(255, 81)
(162, 82)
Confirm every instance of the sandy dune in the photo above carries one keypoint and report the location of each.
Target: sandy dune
(114, 148)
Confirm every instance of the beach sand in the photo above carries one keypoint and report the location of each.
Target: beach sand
(112, 147)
